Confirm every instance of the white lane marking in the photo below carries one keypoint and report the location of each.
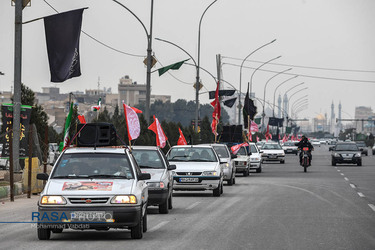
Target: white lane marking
(338, 170)
(342, 174)
(352, 185)
(372, 207)
(193, 205)
(158, 226)
(360, 194)
(346, 179)
(336, 167)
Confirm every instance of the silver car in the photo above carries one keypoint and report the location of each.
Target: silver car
(229, 168)
(160, 187)
(197, 168)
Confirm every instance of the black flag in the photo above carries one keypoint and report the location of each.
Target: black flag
(62, 36)
(230, 102)
(249, 109)
(222, 92)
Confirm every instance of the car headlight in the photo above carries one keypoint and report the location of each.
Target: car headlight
(174, 173)
(358, 155)
(226, 165)
(255, 159)
(53, 200)
(124, 199)
(209, 173)
(280, 154)
(156, 184)
(337, 155)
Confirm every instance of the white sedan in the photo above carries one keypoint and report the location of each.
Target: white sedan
(273, 152)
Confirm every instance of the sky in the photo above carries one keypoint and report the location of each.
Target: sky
(328, 43)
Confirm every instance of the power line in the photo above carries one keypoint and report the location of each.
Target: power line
(96, 40)
(306, 67)
(309, 76)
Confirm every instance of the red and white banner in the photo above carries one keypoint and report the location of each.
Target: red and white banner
(237, 147)
(181, 139)
(161, 139)
(132, 122)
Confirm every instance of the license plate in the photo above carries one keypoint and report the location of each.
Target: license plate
(86, 216)
(189, 180)
(272, 156)
(288, 150)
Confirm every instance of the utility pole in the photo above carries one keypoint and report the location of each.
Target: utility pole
(17, 83)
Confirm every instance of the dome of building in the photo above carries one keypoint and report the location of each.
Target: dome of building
(320, 117)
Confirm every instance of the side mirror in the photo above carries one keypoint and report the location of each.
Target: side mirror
(42, 176)
(233, 156)
(144, 176)
(260, 152)
(171, 167)
(361, 149)
(249, 153)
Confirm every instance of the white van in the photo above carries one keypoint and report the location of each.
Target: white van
(93, 188)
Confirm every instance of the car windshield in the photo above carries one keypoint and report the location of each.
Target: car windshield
(93, 165)
(253, 149)
(148, 158)
(361, 144)
(288, 144)
(221, 151)
(346, 147)
(242, 151)
(271, 146)
(203, 154)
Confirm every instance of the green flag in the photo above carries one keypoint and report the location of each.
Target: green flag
(174, 66)
(288, 130)
(67, 127)
(257, 120)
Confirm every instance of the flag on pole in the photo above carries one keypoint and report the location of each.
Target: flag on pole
(181, 139)
(67, 127)
(98, 106)
(237, 147)
(132, 122)
(217, 111)
(249, 109)
(268, 134)
(137, 110)
(254, 127)
(257, 139)
(174, 66)
(62, 37)
(82, 119)
(161, 139)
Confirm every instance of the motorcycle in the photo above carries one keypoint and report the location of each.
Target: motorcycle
(305, 158)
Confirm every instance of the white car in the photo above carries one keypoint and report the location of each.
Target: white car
(273, 152)
(93, 188)
(315, 142)
(197, 168)
(152, 160)
(290, 148)
(255, 158)
(229, 168)
(242, 161)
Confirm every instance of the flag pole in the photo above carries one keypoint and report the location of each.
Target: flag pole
(216, 127)
(130, 145)
(248, 126)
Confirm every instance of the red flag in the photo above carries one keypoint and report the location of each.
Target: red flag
(254, 127)
(161, 139)
(237, 147)
(267, 134)
(137, 110)
(257, 139)
(217, 110)
(132, 122)
(181, 139)
(81, 119)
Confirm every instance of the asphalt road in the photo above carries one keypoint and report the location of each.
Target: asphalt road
(280, 208)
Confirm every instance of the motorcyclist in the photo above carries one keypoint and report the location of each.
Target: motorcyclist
(304, 142)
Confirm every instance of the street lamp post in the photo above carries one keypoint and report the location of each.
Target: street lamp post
(264, 92)
(251, 78)
(274, 93)
(239, 93)
(149, 56)
(295, 94)
(300, 100)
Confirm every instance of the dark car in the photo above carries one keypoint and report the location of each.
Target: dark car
(362, 146)
(346, 152)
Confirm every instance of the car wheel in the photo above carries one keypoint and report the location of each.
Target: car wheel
(259, 170)
(359, 163)
(43, 233)
(222, 188)
(234, 178)
(217, 192)
(163, 208)
(170, 204)
(282, 162)
(145, 222)
(333, 163)
(137, 231)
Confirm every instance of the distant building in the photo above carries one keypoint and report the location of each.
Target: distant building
(364, 113)
(320, 123)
